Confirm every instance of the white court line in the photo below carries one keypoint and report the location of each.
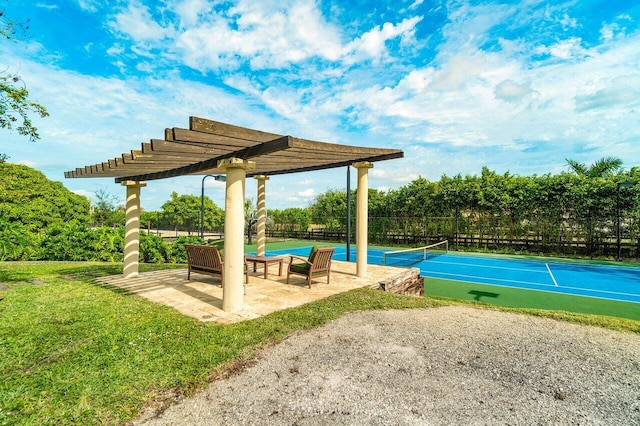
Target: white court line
(486, 278)
(476, 265)
(550, 273)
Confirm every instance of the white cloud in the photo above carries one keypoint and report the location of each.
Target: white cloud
(307, 193)
(190, 11)
(378, 173)
(415, 4)
(510, 91)
(47, 6)
(623, 91)
(265, 34)
(566, 49)
(372, 44)
(137, 23)
(459, 70)
(568, 22)
(89, 195)
(89, 5)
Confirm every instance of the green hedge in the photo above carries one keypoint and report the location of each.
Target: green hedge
(72, 242)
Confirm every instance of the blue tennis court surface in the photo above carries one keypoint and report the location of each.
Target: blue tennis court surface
(601, 281)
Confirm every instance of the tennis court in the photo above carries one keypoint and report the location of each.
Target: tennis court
(610, 282)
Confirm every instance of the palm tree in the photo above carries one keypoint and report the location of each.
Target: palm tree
(604, 167)
(249, 217)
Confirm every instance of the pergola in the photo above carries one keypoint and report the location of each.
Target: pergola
(210, 147)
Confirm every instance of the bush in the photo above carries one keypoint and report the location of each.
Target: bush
(153, 249)
(17, 242)
(77, 243)
(108, 244)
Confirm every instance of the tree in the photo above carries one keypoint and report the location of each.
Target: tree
(29, 198)
(106, 211)
(15, 105)
(184, 211)
(291, 219)
(330, 209)
(604, 167)
(250, 218)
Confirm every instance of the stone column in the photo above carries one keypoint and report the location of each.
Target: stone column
(233, 290)
(132, 229)
(362, 217)
(262, 215)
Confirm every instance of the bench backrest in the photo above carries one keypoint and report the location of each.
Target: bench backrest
(206, 256)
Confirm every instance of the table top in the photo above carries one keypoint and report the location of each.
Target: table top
(264, 258)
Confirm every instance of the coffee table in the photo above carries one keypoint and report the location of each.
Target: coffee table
(266, 261)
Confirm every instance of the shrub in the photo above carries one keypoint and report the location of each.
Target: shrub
(153, 249)
(17, 242)
(76, 243)
(108, 244)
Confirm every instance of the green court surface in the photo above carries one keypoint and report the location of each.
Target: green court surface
(521, 298)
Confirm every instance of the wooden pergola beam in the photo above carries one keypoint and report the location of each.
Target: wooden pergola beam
(198, 149)
(245, 153)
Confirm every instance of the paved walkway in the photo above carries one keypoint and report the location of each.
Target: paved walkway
(201, 297)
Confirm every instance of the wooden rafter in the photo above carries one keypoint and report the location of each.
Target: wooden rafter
(198, 150)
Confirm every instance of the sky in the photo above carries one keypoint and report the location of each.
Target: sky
(517, 86)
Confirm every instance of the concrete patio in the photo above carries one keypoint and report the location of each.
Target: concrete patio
(201, 297)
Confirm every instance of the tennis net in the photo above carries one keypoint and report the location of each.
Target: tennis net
(408, 257)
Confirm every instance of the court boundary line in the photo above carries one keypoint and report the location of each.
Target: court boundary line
(488, 266)
(489, 278)
(558, 261)
(551, 273)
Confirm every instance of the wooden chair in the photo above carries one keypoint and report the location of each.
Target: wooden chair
(318, 264)
(207, 260)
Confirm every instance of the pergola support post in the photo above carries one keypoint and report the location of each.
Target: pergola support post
(362, 217)
(132, 229)
(261, 225)
(233, 290)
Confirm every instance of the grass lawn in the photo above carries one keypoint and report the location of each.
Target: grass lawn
(72, 351)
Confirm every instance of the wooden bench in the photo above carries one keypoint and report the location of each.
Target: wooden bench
(207, 260)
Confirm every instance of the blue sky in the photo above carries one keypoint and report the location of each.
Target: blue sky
(516, 85)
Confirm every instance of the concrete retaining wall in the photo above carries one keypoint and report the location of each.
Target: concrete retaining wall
(408, 283)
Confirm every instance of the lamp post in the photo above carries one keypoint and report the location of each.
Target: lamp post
(216, 177)
(456, 218)
(348, 214)
(625, 184)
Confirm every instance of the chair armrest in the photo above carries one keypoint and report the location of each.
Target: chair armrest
(304, 259)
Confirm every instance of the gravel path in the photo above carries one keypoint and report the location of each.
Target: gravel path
(440, 366)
